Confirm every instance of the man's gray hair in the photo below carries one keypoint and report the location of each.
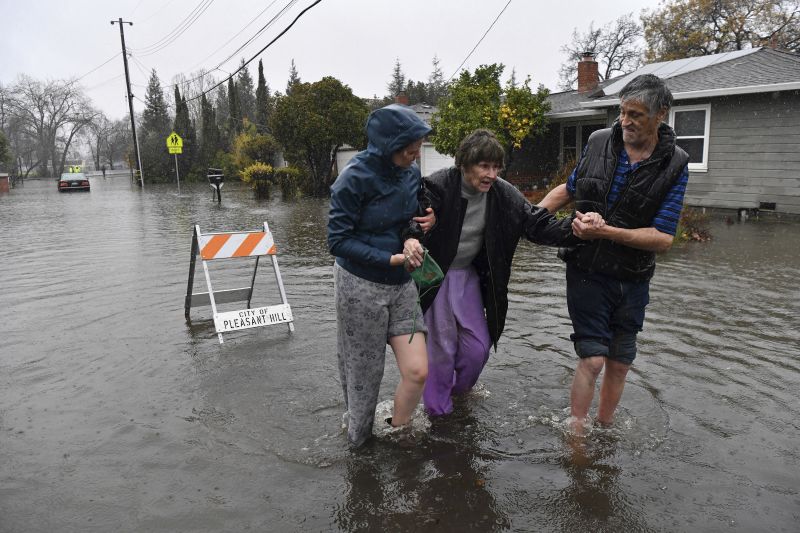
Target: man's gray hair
(649, 90)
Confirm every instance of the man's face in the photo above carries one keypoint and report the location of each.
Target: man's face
(638, 127)
(481, 176)
(406, 156)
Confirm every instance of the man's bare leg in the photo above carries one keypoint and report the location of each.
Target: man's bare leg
(583, 390)
(611, 390)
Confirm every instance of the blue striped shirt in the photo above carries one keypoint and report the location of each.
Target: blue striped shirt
(666, 220)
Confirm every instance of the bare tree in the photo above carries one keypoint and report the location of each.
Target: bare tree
(689, 28)
(617, 47)
(96, 137)
(118, 142)
(51, 113)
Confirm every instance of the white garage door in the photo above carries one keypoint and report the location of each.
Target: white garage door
(343, 157)
(431, 160)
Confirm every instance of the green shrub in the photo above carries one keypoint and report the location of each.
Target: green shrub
(261, 177)
(224, 160)
(288, 179)
(693, 226)
(559, 178)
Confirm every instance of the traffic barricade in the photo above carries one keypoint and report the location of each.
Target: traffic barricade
(236, 245)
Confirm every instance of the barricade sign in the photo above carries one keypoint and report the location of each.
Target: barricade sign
(218, 246)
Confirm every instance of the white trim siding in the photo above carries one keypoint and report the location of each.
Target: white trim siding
(701, 166)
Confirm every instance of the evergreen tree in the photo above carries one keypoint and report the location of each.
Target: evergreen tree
(437, 88)
(155, 128)
(234, 122)
(5, 152)
(245, 94)
(314, 122)
(398, 81)
(417, 93)
(183, 126)
(221, 114)
(263, 102)
(294, 78)
(209, 133)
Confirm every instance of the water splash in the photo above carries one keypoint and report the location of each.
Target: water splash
(420, 424)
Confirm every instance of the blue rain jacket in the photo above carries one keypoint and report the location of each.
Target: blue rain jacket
(373, 200)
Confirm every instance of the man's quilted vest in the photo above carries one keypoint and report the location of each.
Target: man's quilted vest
(636, 206)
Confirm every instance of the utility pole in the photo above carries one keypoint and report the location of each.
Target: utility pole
(130, 98)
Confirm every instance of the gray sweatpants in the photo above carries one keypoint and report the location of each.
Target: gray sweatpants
(368, 314)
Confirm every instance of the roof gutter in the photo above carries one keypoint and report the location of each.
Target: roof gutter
(708, 93)
(576, 114)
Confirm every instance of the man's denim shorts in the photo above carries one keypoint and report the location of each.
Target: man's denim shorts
(606, 314)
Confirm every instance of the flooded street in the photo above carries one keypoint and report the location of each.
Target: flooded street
(117, 415)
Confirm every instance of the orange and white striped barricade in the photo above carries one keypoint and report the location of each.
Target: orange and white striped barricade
(241, 244)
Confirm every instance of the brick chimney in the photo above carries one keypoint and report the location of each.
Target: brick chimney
(773, 42)
(588, 74)
(401, 98)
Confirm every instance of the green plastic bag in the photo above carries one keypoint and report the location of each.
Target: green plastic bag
(427, 276)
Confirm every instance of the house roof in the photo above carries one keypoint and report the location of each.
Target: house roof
(568, 104)
(742, 72)
(425, 111)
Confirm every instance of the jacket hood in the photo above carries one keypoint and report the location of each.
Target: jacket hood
(393, 127)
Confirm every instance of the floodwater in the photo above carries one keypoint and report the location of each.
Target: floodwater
(117, 415)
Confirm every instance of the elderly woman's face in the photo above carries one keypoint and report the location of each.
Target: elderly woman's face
(406, 156)
(481, 176)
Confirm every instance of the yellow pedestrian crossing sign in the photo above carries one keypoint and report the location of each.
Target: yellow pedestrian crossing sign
(175, 143)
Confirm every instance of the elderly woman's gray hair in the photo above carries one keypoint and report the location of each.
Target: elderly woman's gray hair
(649, 90)
(479, 146)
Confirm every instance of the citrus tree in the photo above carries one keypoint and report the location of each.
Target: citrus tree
(478, 100)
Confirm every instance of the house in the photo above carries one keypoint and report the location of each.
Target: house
(737, 114)
(429, 159)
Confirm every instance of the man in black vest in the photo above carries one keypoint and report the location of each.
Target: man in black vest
(628, 190)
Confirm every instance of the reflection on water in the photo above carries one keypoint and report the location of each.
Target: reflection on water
(115, 414)
(443, 484)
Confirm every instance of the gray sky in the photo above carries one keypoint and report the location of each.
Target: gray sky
(356, 41)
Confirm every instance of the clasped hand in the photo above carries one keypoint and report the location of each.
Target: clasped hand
(588, 226)
(412, 255)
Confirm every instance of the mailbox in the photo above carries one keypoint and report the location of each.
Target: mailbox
(216, 179)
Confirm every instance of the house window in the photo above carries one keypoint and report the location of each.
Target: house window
(574, 138)
(569, 144)
(691, 124)
(588, 129)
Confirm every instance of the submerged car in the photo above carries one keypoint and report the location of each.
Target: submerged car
(73, 181)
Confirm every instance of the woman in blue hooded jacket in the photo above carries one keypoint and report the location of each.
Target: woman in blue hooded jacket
(371, 232)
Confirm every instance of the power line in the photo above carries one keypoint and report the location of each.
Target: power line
(98, 66)
(259, 32)
(479, 42)
(162, 7)
(109, 80)
(173, 30)
(142, 68)
(303, 12)
(135, 8)
(234, 36)
(176, 32)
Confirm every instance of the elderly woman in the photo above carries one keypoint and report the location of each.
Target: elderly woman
(480, 219)
(374, 239)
